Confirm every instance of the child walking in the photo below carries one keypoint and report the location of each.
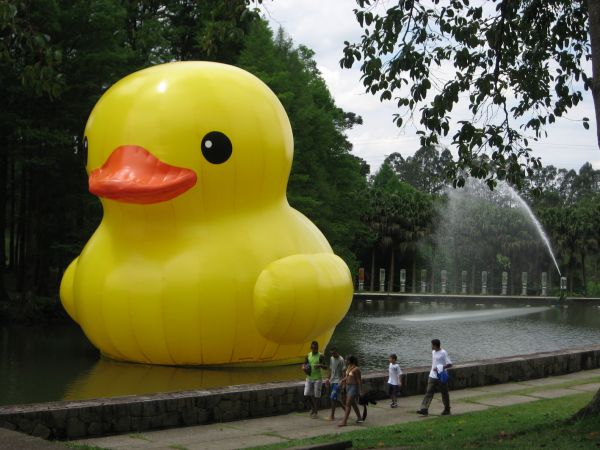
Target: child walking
(394, 380)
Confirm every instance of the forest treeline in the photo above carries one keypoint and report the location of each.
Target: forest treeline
(57, 57)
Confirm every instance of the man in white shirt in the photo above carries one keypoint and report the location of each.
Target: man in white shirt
(440, 363)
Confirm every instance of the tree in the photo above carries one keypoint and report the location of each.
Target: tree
(385, 213)
(210, 30)
(327, 183)
(400, 217)
(425, 170)
(587, 181)
(29, 76)
(57, 57)
(520, 64)
(542, 188)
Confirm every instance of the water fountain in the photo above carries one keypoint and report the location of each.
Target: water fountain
(492, 231)
(536, 222)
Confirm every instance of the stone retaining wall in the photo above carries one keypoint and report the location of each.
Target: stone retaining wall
(78, 419)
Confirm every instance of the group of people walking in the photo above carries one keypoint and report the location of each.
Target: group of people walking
(344, 380)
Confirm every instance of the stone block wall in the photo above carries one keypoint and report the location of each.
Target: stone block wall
(79, 419)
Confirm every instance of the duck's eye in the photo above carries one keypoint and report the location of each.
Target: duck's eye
(216, 147)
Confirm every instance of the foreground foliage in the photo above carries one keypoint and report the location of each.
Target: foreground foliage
(519, 64)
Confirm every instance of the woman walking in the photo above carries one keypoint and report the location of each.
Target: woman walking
(353, 383)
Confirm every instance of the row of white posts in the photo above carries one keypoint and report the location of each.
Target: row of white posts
(463, 275)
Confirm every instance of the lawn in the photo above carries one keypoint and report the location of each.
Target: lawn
(537, 425)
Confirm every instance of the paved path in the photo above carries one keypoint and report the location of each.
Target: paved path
(11, 440)
(269, 430)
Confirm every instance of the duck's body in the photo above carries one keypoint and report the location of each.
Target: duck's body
(224, 272)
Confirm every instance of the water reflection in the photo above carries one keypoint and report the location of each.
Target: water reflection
(112, 379)
(39, 364)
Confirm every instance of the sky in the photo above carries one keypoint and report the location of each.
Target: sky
(324, 25)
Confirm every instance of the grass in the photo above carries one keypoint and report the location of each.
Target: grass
(532, 390)
(537, 425)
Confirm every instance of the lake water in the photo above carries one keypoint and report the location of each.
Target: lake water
(56, 362)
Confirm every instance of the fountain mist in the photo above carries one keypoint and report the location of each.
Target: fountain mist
(485, 228)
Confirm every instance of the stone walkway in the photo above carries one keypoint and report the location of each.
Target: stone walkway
(270, 430)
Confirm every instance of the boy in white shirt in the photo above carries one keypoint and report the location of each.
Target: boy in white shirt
(440, 362)
(394, 380)
(337, 367)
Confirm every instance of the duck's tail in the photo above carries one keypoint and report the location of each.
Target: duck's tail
(66, 289)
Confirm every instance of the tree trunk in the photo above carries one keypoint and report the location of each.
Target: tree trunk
(28, 250)
(3, 187)
(593, 7)
(433, 268)
(583, 273)
(392, 270)
(12, 238)
(372, 287)
(414, 274)
(591, 409)
(571, 271)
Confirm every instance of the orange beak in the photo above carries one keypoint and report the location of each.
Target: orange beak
(131, 174)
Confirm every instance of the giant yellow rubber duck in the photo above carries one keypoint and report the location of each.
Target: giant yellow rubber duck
(199, 259)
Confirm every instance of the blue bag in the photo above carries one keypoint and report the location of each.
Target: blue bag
(444, 377)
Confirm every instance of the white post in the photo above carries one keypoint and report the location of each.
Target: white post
(544, 284)
(484, 283)
(524, 283)
(402, 280)
(444, 280)
(381, 280)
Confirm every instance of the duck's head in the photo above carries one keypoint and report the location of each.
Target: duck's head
(207, 137)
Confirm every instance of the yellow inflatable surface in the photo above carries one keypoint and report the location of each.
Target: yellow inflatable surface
(199, 259)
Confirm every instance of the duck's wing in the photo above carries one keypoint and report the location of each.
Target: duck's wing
(299, 297)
